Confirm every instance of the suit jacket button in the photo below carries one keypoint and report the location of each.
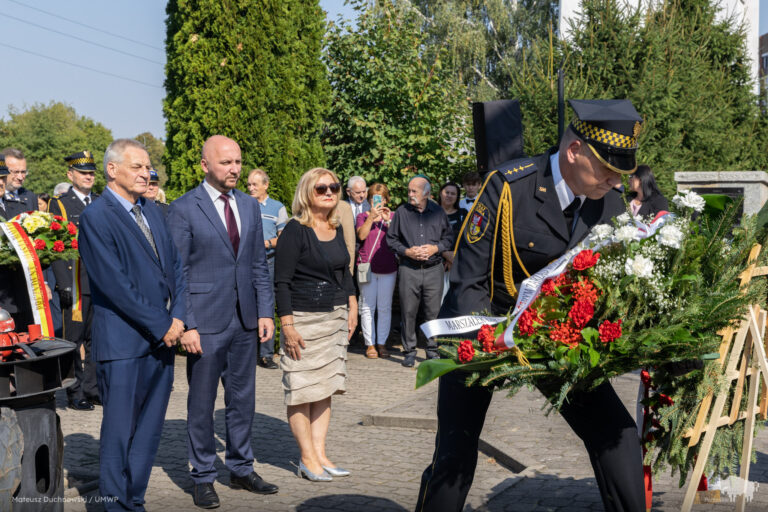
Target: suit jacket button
(530, 244)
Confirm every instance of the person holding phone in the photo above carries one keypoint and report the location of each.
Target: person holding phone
(376, 294)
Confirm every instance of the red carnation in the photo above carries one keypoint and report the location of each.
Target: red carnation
(487, 337)
(582, 312)
(563, 280)
(665, 399)
(73, 244)
(466, 351)
(548, 288)
(39, 244)
(55, 226)
(525, 324)
(58, 246)
(58, 218)
(609, 331)
(565, 332)
(71, 228)
(584, 289)
(585, 259)
(645, 378)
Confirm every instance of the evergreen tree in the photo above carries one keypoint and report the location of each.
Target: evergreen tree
(250, 70)
(685, 71)
(396, 109)
(48, 133)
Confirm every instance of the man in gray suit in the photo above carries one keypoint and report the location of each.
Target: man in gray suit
(357, 191)
(230, 306)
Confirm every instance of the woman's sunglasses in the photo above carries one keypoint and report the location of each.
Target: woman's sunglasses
(322, 188)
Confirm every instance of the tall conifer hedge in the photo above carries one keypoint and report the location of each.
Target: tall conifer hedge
(250, 70)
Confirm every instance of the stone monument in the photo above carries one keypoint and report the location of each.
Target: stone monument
(752, 185)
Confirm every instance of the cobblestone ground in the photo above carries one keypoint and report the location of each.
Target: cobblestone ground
(386, 462)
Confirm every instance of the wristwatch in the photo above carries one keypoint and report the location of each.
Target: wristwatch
(269, 244)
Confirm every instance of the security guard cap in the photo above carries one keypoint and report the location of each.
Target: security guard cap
(153, 177)
(610, 129)
(3, 168)
(82, 161)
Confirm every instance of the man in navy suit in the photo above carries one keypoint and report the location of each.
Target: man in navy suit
(230, 305)
(138, 297)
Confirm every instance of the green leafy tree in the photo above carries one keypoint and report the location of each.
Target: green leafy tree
(48, 133)
(250, 70)
(396, 109)
(156, 149)
(482, 37)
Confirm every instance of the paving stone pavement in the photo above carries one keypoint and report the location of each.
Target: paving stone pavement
(386, 460)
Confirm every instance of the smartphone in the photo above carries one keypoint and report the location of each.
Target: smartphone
(376, 200)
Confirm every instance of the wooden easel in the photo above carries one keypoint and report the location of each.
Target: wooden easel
(745, 348)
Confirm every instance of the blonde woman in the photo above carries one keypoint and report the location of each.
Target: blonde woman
(317, 307)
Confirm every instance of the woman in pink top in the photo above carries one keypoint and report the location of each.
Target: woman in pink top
(376, 294)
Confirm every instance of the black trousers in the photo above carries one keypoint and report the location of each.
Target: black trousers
(85, 385)
(599, 418)
(418, 287)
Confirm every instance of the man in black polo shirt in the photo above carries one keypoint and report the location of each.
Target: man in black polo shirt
(419, 234)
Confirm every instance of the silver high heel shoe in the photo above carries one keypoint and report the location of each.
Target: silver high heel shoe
(336, 471)
(303, 472)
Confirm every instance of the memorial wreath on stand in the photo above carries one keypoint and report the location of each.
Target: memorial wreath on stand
(650, 294)
(32, 241)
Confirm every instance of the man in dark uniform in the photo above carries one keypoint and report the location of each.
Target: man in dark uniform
(153, 187)
(72, 283)
(14, 186)
(528, 213)
(14, 297)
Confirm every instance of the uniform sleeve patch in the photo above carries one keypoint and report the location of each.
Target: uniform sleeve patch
(516, 169)
(478, 223)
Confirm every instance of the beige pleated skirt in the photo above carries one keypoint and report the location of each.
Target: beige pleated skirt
(322, 369)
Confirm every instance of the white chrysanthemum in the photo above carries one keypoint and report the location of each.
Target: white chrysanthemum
(32, 223)
(639, 266)
(602, 231)
(671, 236)
(626, 234)
(690, 199)
(623, 219)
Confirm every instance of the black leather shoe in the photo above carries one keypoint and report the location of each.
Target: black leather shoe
(81, 405)
(253, 483)
(267, 362)
(205, 496)
(409, 360)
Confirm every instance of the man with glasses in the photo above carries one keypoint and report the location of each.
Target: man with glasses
(75, 301)
(14, 189)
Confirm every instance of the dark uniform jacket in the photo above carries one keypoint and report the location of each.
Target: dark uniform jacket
(70, 207)
(515, 228)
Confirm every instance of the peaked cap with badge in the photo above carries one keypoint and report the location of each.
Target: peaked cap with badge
(3, 168)
(610, 129)
(153, 176)
(82, 161)
(515, 228)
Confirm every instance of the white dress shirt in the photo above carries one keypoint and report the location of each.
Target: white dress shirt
(219, 204)
(564, 193)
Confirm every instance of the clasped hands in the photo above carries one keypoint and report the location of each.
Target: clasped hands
(421, 252)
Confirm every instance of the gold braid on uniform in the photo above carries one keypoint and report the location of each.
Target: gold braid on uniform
(507, 239)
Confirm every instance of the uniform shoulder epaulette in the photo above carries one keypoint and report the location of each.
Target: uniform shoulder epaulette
(513, 170)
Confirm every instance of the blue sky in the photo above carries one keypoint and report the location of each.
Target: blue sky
(105, 58)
